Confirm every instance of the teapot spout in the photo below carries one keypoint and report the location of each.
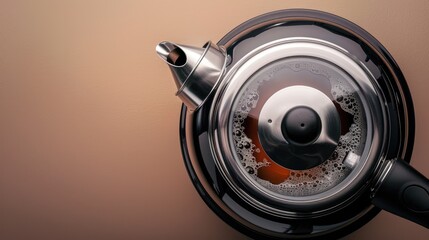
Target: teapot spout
(196, 71)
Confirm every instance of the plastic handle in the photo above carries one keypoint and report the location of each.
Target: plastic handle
(404, 192)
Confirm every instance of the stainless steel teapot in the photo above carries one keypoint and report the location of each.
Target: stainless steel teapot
(297, 124)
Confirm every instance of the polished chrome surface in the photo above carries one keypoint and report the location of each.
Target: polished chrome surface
(220, 117)
(181, 59)
(283, 151)
(385, 170)
(196, 71)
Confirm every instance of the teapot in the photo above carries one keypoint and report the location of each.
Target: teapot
(297, 124)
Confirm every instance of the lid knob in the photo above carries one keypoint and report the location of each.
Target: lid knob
(301, 125)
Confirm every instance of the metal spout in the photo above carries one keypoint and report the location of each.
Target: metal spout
(196, 71)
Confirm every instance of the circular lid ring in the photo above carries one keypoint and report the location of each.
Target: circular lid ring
(227, 159)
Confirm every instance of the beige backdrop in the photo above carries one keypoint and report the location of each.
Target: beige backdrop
(89, 143)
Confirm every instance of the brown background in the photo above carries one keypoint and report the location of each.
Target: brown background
(89, 122)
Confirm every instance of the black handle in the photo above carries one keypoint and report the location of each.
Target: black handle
(404, 192)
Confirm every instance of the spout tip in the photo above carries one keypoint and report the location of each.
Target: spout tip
(171, 54)
(196, 71)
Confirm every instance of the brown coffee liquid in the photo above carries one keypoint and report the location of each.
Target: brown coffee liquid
(274, 172)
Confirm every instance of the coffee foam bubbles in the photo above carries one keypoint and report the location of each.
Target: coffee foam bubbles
(319, 178)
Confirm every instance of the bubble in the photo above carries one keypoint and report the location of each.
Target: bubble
(250, 170)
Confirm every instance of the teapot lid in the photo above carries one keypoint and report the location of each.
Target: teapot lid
(297, 123)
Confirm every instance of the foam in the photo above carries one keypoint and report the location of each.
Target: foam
(319, 178)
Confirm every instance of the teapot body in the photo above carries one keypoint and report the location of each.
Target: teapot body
(331, 218)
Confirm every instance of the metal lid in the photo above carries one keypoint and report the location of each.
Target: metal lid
(295, 126)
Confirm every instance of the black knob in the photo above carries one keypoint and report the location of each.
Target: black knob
(301, 125)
